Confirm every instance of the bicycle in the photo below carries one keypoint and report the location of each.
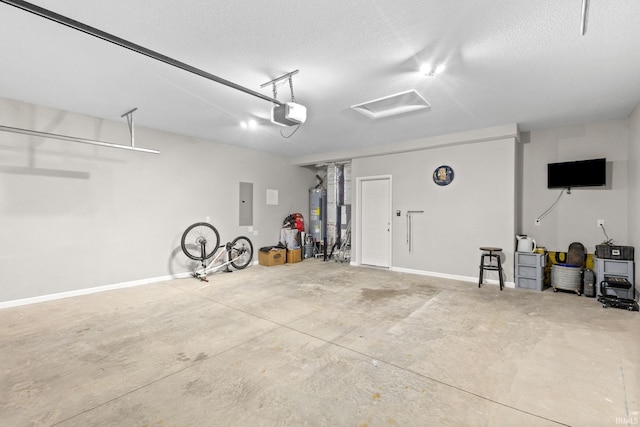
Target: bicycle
(201, 241)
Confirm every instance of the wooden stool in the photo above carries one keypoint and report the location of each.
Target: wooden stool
(491, 255)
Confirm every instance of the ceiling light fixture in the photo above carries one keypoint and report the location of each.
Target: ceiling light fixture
(430, 71)
(249, 124)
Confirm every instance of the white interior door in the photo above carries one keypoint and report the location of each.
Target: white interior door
(375, 220)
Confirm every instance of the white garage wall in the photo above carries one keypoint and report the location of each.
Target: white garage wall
(575, 217)
(476, 209)
(76, 216)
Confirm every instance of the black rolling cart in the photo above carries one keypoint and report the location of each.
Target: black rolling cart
(611, 299)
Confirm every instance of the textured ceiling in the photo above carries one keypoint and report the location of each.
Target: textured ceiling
(507, 61)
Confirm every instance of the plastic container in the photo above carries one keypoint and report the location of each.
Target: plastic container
(566, 277)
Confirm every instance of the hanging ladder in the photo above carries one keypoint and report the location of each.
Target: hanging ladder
(344, 253)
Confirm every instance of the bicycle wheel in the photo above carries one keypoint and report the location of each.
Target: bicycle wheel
(241, 252)
(200, 241)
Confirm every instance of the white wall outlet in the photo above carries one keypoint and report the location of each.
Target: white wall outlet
(207, 218)
(601, 223)
(537, 221)
(255, 232)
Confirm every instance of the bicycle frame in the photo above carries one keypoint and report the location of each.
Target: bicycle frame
(201, 243)
(208, 267)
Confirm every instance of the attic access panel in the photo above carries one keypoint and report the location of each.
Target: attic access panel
(399, 103)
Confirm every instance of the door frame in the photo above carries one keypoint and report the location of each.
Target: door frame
(358, 239)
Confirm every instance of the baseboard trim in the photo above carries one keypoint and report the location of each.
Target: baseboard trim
(88, 291)
(451, 276)
(123, 285)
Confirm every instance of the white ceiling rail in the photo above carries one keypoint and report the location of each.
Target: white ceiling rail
(76, 139)
(61, 19)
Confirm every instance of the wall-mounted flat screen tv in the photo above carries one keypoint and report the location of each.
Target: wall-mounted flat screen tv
(582, 173)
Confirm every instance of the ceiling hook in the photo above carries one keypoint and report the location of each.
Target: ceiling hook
(585, 11)
(129, 115)
(273, 82)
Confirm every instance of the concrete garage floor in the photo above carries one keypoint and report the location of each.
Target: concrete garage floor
(319, 344)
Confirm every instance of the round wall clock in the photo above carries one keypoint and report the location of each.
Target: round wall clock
(443, 175)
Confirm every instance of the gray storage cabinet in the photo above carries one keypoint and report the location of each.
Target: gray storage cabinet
(530, 270)
(617, 268)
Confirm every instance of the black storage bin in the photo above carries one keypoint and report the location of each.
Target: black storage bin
(588, 283)
(614, 252)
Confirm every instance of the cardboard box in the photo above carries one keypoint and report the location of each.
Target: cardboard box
(273, 257)
(294, 255)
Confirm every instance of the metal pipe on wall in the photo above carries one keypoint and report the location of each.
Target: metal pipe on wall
(409, 228)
